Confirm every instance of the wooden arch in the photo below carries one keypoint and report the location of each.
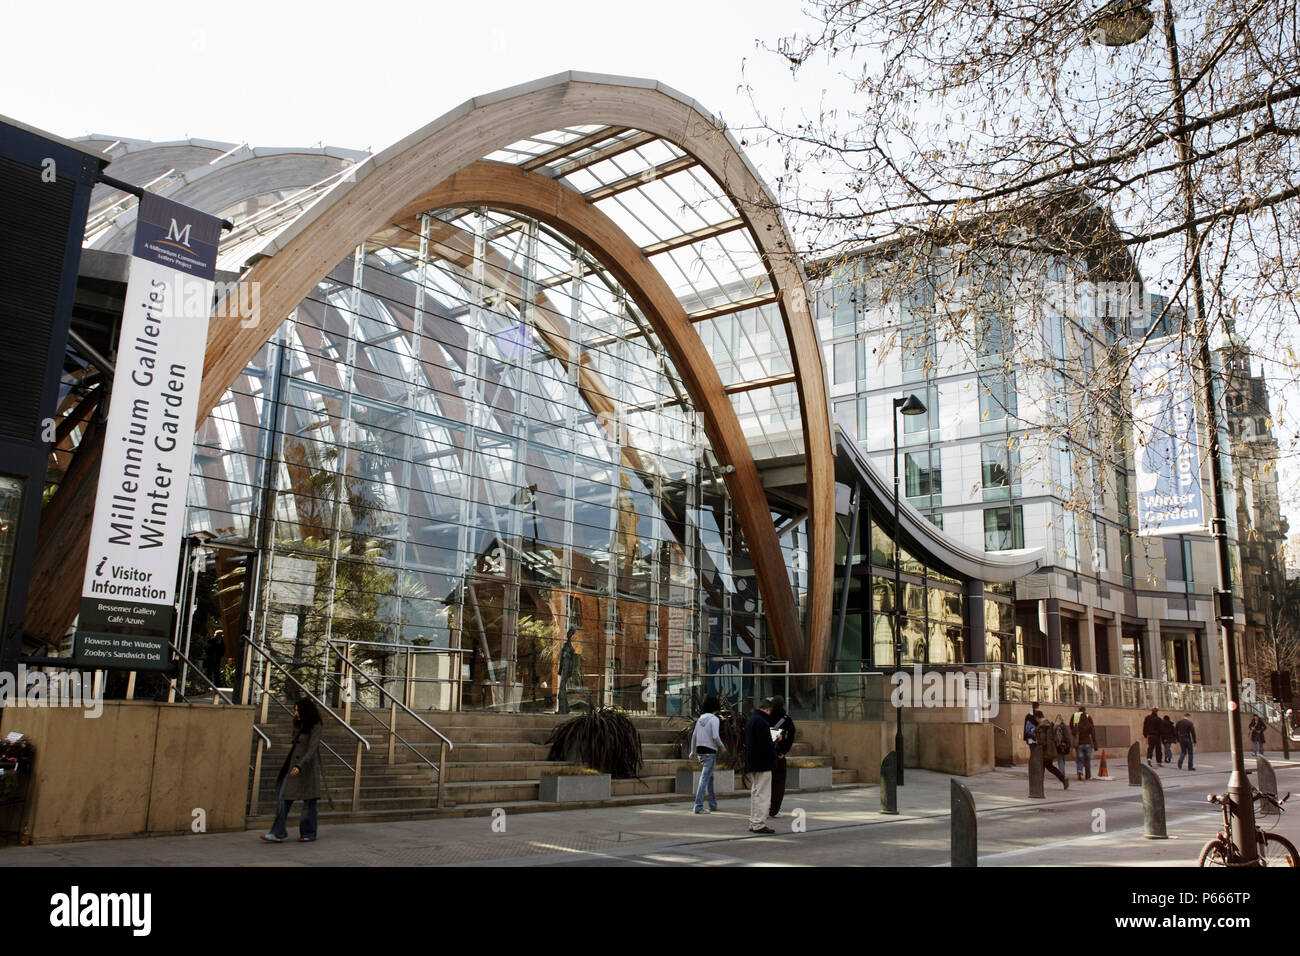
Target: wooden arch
(396, 185)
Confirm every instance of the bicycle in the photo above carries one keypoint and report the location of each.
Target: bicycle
(1273, 850)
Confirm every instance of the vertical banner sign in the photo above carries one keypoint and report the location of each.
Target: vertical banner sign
(127, 600)
(1170, 498)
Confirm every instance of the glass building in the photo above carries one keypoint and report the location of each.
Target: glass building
(509, 428)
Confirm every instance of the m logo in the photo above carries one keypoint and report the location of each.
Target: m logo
(176, 234)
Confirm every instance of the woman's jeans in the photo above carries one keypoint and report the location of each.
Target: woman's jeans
(306, 822)
(707, 762)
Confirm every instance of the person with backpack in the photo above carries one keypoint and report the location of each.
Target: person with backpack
(1045, 740)
(1085, 740)
(1063, 741)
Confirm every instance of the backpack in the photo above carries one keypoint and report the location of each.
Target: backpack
(1058, 732)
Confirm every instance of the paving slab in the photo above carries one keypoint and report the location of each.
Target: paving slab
(1093, 823)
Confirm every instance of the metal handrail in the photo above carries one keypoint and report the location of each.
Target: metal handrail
(269, 658)
(215, 689)
(393, 735)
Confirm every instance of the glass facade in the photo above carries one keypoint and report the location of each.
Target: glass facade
(465, 447)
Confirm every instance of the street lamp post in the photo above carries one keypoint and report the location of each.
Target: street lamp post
(911, 405)
(1110, 22)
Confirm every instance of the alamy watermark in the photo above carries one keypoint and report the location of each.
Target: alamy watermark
(32, 688)
(976, 690)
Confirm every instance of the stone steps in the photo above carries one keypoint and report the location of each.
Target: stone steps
(262, 821)
(497, 761)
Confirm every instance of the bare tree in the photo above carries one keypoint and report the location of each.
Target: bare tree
(1138, 138)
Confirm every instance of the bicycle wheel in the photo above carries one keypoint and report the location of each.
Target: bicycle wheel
(1276, 850)
(1215, 853)
(1266, 811)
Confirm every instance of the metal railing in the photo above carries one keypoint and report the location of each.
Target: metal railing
(346, 686)
(1025, 682)
(410, 681)
(267, 696)
(217, 693)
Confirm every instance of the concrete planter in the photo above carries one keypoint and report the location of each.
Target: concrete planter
(562, 788)
(808, 778)
(724, 781)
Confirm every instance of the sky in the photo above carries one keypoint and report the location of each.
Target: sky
(363, 76)
(289, 74)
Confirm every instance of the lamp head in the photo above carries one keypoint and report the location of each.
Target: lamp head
(911, 405)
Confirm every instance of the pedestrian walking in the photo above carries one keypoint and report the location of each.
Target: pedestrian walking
(1151, 731)
(1045, 741)
(299, 778)
(707, 743)
(1258, 728)
(1085, 740)
(1064, 742)
(782, 740)
(1168, 734)
(760, 760)
(1186, 731)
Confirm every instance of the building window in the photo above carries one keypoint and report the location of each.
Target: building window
(920, 353)
(1100, 551)
(1178, 560)
(936, 520)
(1001, 469)
(846, 416)
(997, 396)
(924, 477)
(918, 424)
(846, 299)
(993, 338)
(1126, 556)
(1121, 497)
(844, 364)
(1004, 528)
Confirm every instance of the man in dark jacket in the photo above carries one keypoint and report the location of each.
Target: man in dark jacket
(1085, 739)
(1151, 731)
(1186, 731)
(784, 727)
(760, 760)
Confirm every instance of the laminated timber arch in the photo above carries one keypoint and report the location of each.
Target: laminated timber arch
(406, 179)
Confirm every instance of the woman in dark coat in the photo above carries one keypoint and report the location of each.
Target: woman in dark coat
(300, 776)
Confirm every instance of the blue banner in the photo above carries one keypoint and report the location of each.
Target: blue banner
(1170, 497)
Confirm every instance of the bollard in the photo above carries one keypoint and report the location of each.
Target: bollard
(1135, 764)
(1036, 774)
(1265, 777)
(965, 842)
(1153, 806)
(889, 783)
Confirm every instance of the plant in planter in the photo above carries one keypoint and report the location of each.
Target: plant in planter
(604, 738)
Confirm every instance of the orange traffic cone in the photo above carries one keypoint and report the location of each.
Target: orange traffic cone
(1103, 773)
